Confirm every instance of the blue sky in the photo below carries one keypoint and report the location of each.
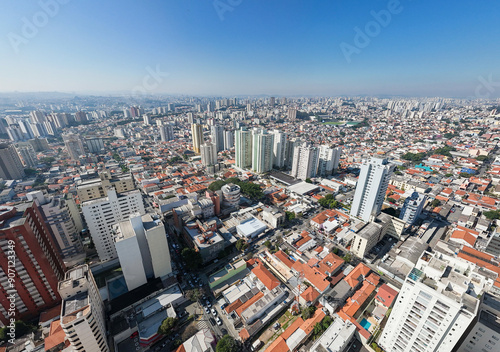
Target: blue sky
(280, 47)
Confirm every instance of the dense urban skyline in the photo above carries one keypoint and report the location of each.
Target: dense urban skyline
(406, 48)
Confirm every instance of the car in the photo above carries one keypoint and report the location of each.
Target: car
(200, 284)
(223, 306)
(214, 312)
(209, 305)
(207, 310)
(219, 322)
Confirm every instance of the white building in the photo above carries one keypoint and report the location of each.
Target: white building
(262, 155)
(82, 312)
(412, 207)
(231, 195)
(370, 190)
(336, 338)
(279, 148)
(228, 140)
(432, 311)
(217, 135)
(208, 153)
(166, 132)
(27, 154)
(142, 247)
(329, 159)
(243, 148)
(485, 334)
(305, 162)
(101, 214)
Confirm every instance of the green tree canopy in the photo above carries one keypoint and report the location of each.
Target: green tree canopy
(167, 326)
(241, 245)
(228, 344)
(193, 258)
(492, 214)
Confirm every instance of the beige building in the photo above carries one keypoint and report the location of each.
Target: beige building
(11, 167)
(197, 136)
(95, 188)
(82, 311)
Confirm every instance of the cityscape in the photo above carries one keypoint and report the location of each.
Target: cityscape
(248, 198)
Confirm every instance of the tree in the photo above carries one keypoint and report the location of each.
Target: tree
(289, 215)
(464, 174)
(416, 158)
(329, 202)
(268, 244)
(30, 172)
(308, 180)
(216, 185)
(308, 312)
(193, 258)
(482, 157)
(435, 203)
(391, 200)
(241, 245)
(227, 344)
(20, 327)
(167, 326)
(448, 175)
(193, 295)
(492, 214)
(347, 258)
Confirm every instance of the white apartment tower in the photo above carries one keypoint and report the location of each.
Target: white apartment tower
(262, 155)
(228, 140)
(101, 214)
(370, 190)
(305, 161)
(279, 148)
(208, 153)
(142, 247)
(432, 311)
(166, 133)
(82, 311)
(329, 159)
(412, 207)
(217, 135)
(243, 148)
(27, 154)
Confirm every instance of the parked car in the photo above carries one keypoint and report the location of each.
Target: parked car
(214, 312)
(219, 322)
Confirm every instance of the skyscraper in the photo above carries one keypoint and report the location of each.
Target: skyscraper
(290, 150)
(262, 154)
(82, 311)
(101, 214)
(305, 161)
(370, 189)
(27, 154)
(197, 137)
(243, 148)
(166, 132)
(279, 148)
(208, 153)
(432, 311)
(412, 207)
(292, 114)
(329, 158)
(228, 140)
(38, 266)
(74, 145)
(11, 167)
(142, 248)
(217, 135)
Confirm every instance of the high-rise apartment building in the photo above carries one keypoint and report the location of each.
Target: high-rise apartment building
(432, 311)
(484, 332)
(166, 132)
(37, 117)
(27, 154)
(329, 159)
(412, 207)
(371, 187)
(228, 140)
(95, 145)
(82, 312)
(197, 136)
(64, 220)
(243, 148)
(279, 148)
(305, 161)
(101, 214)
(208, 153)
(28, 250)
(142, 247)
(95, 186)
(292, 114)
(74, 145)
(11, 167)
(217, 135)
(290, 151)
(262, 154)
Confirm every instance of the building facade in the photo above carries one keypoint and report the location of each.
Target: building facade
(243, 148)
(11, 167)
